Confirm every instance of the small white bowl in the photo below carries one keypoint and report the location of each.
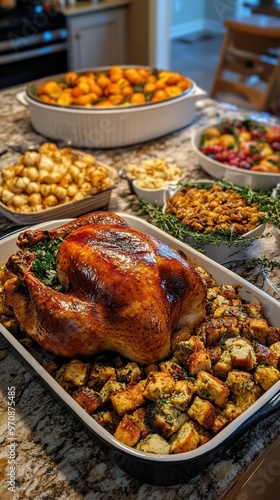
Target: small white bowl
(242, 178)
(154, 196)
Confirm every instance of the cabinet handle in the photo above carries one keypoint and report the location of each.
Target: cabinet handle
(77, 36)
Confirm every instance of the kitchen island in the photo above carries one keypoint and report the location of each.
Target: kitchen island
(55, 458)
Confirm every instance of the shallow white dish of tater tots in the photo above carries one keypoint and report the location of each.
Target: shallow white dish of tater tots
(54, 183)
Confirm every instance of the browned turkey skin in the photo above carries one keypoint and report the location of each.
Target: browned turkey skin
(123, 291)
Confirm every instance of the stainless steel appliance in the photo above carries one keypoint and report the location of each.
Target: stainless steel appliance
(33, 40)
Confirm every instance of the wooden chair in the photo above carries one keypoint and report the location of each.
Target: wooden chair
(250, 53)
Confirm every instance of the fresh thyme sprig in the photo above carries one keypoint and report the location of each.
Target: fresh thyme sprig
(262, 262)
(173, 226)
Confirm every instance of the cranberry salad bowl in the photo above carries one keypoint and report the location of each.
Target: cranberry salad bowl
(164, 409)
(244, 151)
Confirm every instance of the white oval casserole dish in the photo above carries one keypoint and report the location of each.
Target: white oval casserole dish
(111, 127)
(161, 469)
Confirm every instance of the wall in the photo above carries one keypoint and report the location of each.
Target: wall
(138, 32)
(193, 17)
(148, 32)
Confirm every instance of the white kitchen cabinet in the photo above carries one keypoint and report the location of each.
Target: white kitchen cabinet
(97, 39)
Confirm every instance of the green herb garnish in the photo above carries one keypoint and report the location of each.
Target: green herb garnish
(44, 266)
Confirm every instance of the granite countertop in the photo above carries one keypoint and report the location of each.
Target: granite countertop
(55, 458)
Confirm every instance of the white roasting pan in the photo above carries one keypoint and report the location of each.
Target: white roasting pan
(161, 469)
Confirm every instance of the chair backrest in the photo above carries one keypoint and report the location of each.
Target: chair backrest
(255, 33)
(251, 47)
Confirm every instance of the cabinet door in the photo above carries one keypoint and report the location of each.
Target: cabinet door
(97, 39)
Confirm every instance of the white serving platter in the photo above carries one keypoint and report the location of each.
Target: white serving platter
(162, 469)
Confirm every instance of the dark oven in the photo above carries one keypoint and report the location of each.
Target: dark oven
(33, 40)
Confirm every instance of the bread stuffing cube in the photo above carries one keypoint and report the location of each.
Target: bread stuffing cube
(108, 419)
(204, 435)
(166, 418)
(127, 431)
(130, 373)
(228, 310)
(212, 293)
(76, 372)
(273, 335)
(128, 400)
(186, 439)
(246, 399)
(207, 279)
(187, 347)
(158, 384)
(265, 355)
(214, 299)
(110, 388)
(99, 374)
(219, 423)
(173, 368)
(199, 360)
(87, 398)
(214, 329)
(209, 387)
(242, 353)
(266, 376)
(231, 411)
(257, 329)
(228, 291)
(180, 335)
(223, 366)
(214, 353)
(154, 443)
(139, 417)
(59, 377)
(240, 381)
(181, 394)
(203, 412)
(254, 310)
(275, 348)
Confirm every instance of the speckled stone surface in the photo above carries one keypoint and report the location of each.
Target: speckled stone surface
(55, 458)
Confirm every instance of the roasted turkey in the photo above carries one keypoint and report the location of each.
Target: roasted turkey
(122, 290)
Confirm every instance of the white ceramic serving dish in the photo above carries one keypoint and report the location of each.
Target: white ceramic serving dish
(219, 253)
(70, 209)
(162, 469)
(239, 176)
(111, 127)
(154, 196)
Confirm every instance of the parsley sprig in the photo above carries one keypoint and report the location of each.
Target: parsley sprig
(44, 266)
